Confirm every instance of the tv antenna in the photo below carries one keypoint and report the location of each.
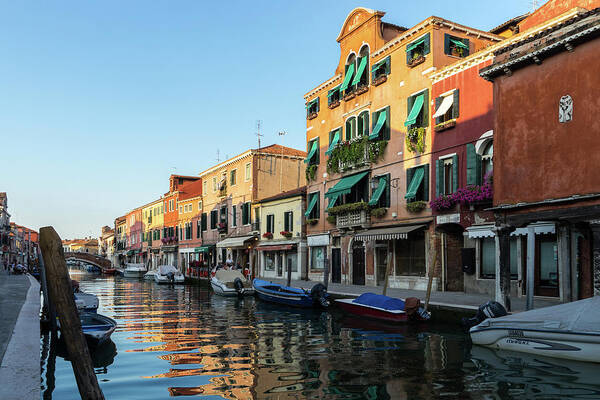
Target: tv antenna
(218, 159)
(258, 134)
(534, 5)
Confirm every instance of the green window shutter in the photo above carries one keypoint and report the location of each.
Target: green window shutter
(439, 177)
(454, 173)
(409, 103)
(471, 165)
(415, 184)
(203, 222)
(426, 108)
(388, 181)
(408, 55)
(479, 170)
(248, 212)
(438, 101)
(416, 108)
(468, 46)
(446, 43)
(455, 104)
(348, 77)
(426, 44)
(360, 70)
(234, 215)
(365, 123)
(426, 182)
(385, 133)
(318, 104)
(388, 65)
(285, 221)
(409, 175)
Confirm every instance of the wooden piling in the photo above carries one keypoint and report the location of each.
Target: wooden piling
(431, 273)
(388, 268)
(60, 293)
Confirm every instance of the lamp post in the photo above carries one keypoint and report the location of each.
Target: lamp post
(282, 134)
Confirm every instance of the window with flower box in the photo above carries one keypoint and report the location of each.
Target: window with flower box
(312, 108)
(417, 184)
(417, 50)
(455, 46)
(333, 97)
(313, 152)
(446, 171)
(380, 71)
(446, 110)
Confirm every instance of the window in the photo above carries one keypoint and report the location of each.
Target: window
(270, 260)
(223, 215)
(317, 257)
(214, 214)
(334, 138)
(487, 164)
(487, 258)
(313, 152)
(204, 186)
(198, 228)
(417, 183)
(180, 210)
(203, 222)
(547, 273)
(380, 69)
(349, 70)
(313, 210)
(418, 110)
(380, 191)
(270, 223)
(234, 215)
(446, 107)
(200, 206)
(312, 108)
(455, 46)
(361, 78)
(363, 124)
(351, 128)
(333, 97)
(288, 221)
(416, 49)
(381, 124)
(446, 175)
(474, 166)
(171, 206)
(246, 214)
(214, 184)
(410, 255)
(232, 177)
(248, 171)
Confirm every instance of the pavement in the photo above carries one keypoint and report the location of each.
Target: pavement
(19, 337)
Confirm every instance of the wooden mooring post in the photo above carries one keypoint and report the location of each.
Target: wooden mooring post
(60, 293)
(431, 273)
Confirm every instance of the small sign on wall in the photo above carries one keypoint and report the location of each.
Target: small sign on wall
(565, 109)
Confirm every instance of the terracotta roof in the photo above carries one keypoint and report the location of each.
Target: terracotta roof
(276, 149)
(290, 193)
(190, 190)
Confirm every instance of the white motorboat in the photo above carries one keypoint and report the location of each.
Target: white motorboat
(97, 328)
(149, 276)
(231, 283)
(168, 274)
(570, 331)
(134, 270)
(86, 302)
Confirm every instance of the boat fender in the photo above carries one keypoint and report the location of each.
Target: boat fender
(319, 294)
(238, 285)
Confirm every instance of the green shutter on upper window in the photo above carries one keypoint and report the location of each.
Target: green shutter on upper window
(471, 165)
(426, 182)
(455, 104)
(348, 77)
(439, 177)
(426, 107)
(426, 44)
(378, 126)
(360, 70)
(446, 44)
(409, 174)
(454, 173)
(438, 102)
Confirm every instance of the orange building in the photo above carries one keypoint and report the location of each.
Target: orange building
(189, 208)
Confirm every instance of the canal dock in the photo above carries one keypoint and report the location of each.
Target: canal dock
(19, 337)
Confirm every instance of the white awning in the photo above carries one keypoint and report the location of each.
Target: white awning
(445, 106)
(400, 232)
(482, 231)
(234, 241)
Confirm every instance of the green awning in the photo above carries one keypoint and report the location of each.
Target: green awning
(360, 71)
(311, 205)
(334, 142)
(347, 78)
(312, 152)
(333, 91)
(414, 44)
(332, 202)
(459, 43)
(379, 64)
(203, 249)
(379, 191)
(413, 187)
(130, 252)
(344, 186)
(380, 123)
(310, 103)
(416, 109)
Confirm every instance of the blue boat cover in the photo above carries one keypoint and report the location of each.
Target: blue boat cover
(380, 301)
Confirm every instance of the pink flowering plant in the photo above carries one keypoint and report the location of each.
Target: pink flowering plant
(468, 195)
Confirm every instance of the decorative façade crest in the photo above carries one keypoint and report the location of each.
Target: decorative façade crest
(565, 109)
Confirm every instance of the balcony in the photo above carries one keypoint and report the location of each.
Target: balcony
(353, 219)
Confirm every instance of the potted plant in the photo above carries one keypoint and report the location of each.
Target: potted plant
(267, 235)
(416, 206)
(221, 227)
(415, 139)
(311, 172)
(378, 212)
(312, 221)
(417, 58)
(287, 234)
(331, 219)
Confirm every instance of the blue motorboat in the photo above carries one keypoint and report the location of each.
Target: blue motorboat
(291, 296)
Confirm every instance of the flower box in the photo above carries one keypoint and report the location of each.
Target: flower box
(349, 95)
(312, 115)
(416, 206)
(222, 227)
(442, 126)
(379, 80)
(416, 61)
(267, 235)
(312, 221)
(361, 89)
(333, 104)
(286, 234)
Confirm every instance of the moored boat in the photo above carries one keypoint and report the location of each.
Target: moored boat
(109, 271)
(86, 302)
(231, 283)
(149, 276)
(97, 328)
(168, 274)
(291, 296)
(569, 331)
(385, 308)
(134, 270)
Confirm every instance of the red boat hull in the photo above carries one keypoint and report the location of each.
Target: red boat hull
(109, 271)
(368, 312)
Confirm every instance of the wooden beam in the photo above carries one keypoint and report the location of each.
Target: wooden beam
(434, 259)
(387, 269)
(61, 296)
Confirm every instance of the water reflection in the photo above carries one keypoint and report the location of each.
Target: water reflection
(183, 341)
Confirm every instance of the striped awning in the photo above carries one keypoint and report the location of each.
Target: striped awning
(398, 232)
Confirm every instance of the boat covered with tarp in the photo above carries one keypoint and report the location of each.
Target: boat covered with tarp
(168, 274)
(378, 306)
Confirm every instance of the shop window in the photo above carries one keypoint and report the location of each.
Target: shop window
(487, 258)
(455, 46)
(292, 261)
(548, 261)
(410, 255)
(317, 257)
(270, 260)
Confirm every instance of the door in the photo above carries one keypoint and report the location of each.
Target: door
(336, 265)
(358, 266)
(381, 257)
(546, 266)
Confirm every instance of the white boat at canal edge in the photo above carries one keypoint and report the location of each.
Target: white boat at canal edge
(570, 331)
(168, 274)
(231, 283)
(134, 270)
(149, 276)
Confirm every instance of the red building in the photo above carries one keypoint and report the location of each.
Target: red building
(547, 151)
(189, 206)
(134, 235)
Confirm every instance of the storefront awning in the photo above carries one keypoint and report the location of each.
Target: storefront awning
(312, 152)
(203, 249)
(415, 183)
(478, 232)
(344, 186)
(415, 111)
(444, 107)
(276, 247)
(379, 191)
(347, 78)
(379, 125)
(234, 241)
(486, 231)
(334, 142)
(360, 71)
(399, 232)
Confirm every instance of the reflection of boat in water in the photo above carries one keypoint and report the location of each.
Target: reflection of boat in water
(567, 331)
(538, 376)
(102, 355)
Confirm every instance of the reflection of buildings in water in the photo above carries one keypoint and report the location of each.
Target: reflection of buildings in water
(531, 376)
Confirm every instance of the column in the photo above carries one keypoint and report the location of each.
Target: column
(595, 226)
(503, 266)
(530, 267)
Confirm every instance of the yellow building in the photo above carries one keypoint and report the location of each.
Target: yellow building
(152, 224)
(229, 226)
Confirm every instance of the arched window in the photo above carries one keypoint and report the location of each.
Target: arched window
(350, 128)
(363, 124)
(487, 164)
(363, 66)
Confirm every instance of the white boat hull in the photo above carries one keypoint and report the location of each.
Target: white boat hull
(164, 280)
(149, 276)
(565, 345)
(133, 274)
(86, 302)
(222, 290)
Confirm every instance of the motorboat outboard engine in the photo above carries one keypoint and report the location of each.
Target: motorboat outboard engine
(319, 295)
(171, 277)
(491, 309)
(239, 286)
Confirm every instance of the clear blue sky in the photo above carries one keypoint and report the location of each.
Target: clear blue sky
(100, 101)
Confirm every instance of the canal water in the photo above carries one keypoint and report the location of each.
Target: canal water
(186, 341)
